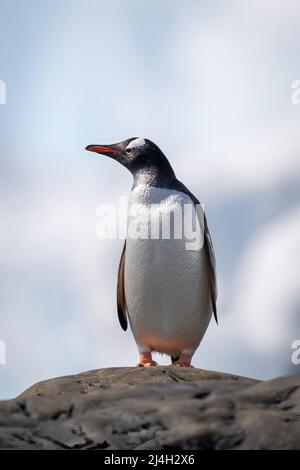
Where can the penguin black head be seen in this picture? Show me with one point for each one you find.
(142, 157)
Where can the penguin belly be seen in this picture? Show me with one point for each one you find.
(166, 285)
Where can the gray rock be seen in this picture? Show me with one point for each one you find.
(156, 408)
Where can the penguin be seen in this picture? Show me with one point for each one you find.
(166, 290)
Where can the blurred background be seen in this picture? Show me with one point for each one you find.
(210, 83)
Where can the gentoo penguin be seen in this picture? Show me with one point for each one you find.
(165, 289)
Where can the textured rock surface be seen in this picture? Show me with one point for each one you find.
(157, 408)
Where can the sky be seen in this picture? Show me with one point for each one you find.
(211, 84)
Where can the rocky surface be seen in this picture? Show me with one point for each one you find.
(156, 408)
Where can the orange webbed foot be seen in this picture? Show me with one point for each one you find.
(146, 360)
(184, 360)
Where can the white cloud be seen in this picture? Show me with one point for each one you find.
(267, 287)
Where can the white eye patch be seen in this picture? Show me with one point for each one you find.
(139, 142)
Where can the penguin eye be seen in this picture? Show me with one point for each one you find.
(137, 143)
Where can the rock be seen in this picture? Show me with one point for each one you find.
(119, 377)
(155, 408)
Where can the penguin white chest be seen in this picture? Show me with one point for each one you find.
(166, 283)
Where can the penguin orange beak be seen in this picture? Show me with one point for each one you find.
(109, 150)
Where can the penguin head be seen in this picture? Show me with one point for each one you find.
(137, 155)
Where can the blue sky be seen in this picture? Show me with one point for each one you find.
(208, 82)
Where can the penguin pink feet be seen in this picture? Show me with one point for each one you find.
(146, 360)
(184, 360)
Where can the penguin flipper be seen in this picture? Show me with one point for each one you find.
(121, 300)
(209, 250)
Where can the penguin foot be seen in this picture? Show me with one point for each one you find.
(147, 364)
(184, 360)
(146, 360)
